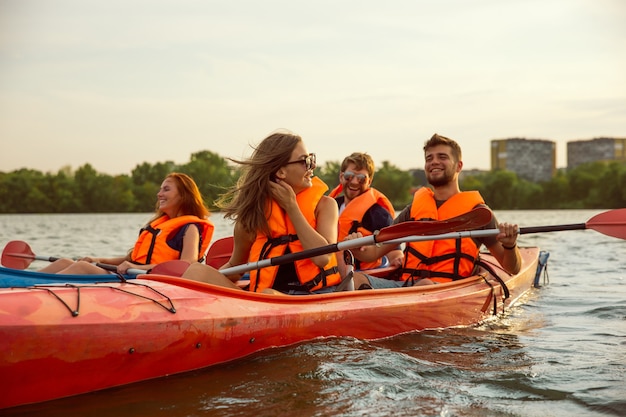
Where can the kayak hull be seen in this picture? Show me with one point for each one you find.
(62, 340)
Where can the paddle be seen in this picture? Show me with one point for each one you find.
(611, 223)
(18, 255)
(397, 233)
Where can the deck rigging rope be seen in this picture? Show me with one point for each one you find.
(168, 305)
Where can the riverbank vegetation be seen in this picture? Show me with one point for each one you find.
(590, 186)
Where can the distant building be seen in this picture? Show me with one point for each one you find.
(599, 149)
(531, 159)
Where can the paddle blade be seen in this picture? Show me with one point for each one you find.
(477, 218)
(220, 251)
(611, 223)
(17, 255)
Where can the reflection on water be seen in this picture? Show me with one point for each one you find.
(559, 353)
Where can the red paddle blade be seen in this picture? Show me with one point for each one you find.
(611, 223)
(220, 251)
(477, 218)
(17, 255)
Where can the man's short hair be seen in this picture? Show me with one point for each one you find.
(361, 161)
(437, 139)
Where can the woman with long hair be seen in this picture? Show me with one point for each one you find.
(278, 207)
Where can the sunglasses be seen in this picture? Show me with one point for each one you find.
(309, 162)
(348, 175)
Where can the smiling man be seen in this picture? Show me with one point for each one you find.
(363, 208)
(429, 262)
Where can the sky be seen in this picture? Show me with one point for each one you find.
(117, 83)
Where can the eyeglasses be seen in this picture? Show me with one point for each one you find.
(348, 175)
(309, 162)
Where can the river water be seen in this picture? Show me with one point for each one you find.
(561, 352)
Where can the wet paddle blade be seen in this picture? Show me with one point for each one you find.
(17, 255)
(611, 223)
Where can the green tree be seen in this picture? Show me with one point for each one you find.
(394, 183)
(593, 185)
(472, 183)
(96, 192)
(329, 173)
(121, 194)
(63, 192)
(554, 193)
(582, 180)
(211, 173)
(145, 196)
(21, 192)
(499, 189)
(610, 188)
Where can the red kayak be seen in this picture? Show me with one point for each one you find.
(60, 340)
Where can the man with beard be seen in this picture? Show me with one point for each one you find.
(363, 208)
(438, 261)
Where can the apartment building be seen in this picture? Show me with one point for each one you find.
(531, 159)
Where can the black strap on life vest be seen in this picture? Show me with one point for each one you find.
(321, 277)
(155, 233)
(355, 226)
(270, 244)
(307, 286)
(202, 257)
(416, 273)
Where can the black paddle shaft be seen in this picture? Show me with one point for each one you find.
(556, 228)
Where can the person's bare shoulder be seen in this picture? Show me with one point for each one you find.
(327, 203)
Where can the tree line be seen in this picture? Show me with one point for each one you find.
(597, 185)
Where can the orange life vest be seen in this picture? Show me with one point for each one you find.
(441, 260)
(152, 247)
(351, 218)
(283, 237)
